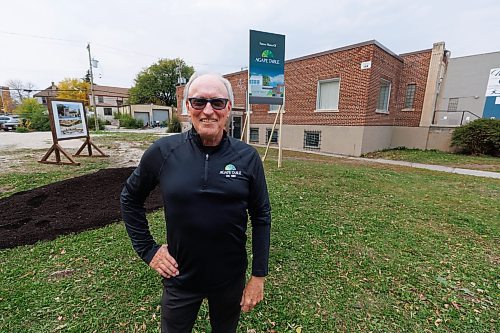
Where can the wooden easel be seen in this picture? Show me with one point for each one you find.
(89, 145)
(58, 150)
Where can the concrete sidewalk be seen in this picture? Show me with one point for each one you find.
(460, 171)
(469, 172)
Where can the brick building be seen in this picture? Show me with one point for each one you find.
(350, 101)
(7, 104)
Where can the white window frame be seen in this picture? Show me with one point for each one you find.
(318, 95)
(276, 107)
(104, 111)
(388, 97)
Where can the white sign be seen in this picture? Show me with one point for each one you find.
(493, 88)
(497, 100)
(366, 64)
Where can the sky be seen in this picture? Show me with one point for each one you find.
(44, 41)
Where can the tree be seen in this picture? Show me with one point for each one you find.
(36, 113)
(74, 89)
(156, 84)
(20, 90)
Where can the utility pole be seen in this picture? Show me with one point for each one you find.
(96, 122)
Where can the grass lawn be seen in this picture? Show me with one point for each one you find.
(486, 163)
(355, 248)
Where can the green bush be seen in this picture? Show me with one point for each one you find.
(36, 117)
(174, 126)
(91, 123)
(39, 121)
(130, 122)
(21, 129)
(480, 137)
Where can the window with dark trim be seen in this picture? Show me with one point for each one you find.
(108, 111)
(453, 104)
(274, 139)
(410, 96)
(100, 99)
(312, 139)
(254, 134)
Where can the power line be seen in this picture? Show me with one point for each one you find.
(110, 47)
(40, 37)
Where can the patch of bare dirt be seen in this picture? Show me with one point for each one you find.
(73, 205)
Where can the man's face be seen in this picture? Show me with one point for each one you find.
(208, 122)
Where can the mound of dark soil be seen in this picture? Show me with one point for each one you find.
(73, 205)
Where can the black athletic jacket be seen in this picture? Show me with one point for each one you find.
(206, 195)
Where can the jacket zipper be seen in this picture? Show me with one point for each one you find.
(206, 171)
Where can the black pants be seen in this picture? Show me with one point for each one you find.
(180, 308)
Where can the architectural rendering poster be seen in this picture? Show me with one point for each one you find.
(69, 119)
(266, 73)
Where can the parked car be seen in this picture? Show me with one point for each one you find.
(8, 123)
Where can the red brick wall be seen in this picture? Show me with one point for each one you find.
(415, 71)
(384, 66)
(359, 88)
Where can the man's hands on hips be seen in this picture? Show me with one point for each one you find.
(253, 293)
(164, 263)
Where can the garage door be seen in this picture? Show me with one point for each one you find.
(160, 115)
(144, 116)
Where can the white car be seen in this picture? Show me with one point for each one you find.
(8, 123)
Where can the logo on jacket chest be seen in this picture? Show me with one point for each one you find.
(230, 171)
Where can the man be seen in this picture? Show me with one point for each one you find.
(209, 182)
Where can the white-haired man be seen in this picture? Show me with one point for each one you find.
(210, 183)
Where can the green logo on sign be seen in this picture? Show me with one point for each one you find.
(267, 54)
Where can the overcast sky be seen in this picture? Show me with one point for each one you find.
(45, 40)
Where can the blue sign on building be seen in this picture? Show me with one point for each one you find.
(492, 103)
(266, 73)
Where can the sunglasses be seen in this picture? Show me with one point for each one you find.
(200, 103)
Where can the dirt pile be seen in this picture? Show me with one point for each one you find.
(73, 205)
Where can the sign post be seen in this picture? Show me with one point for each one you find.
(266, 76)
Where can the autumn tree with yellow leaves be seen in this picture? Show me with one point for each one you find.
(74, 89)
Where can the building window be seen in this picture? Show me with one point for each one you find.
(410, 96)
(108, 111)
(328, 95)
(100, 99)
(453, 104)
(383, 96)
(254, 134)
(273, 108)
(119, 102)
(312, 139)
(274, 139)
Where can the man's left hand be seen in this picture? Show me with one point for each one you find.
(253, 293)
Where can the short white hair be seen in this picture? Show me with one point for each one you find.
(224, 81)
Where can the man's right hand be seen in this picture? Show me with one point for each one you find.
(164, 263)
